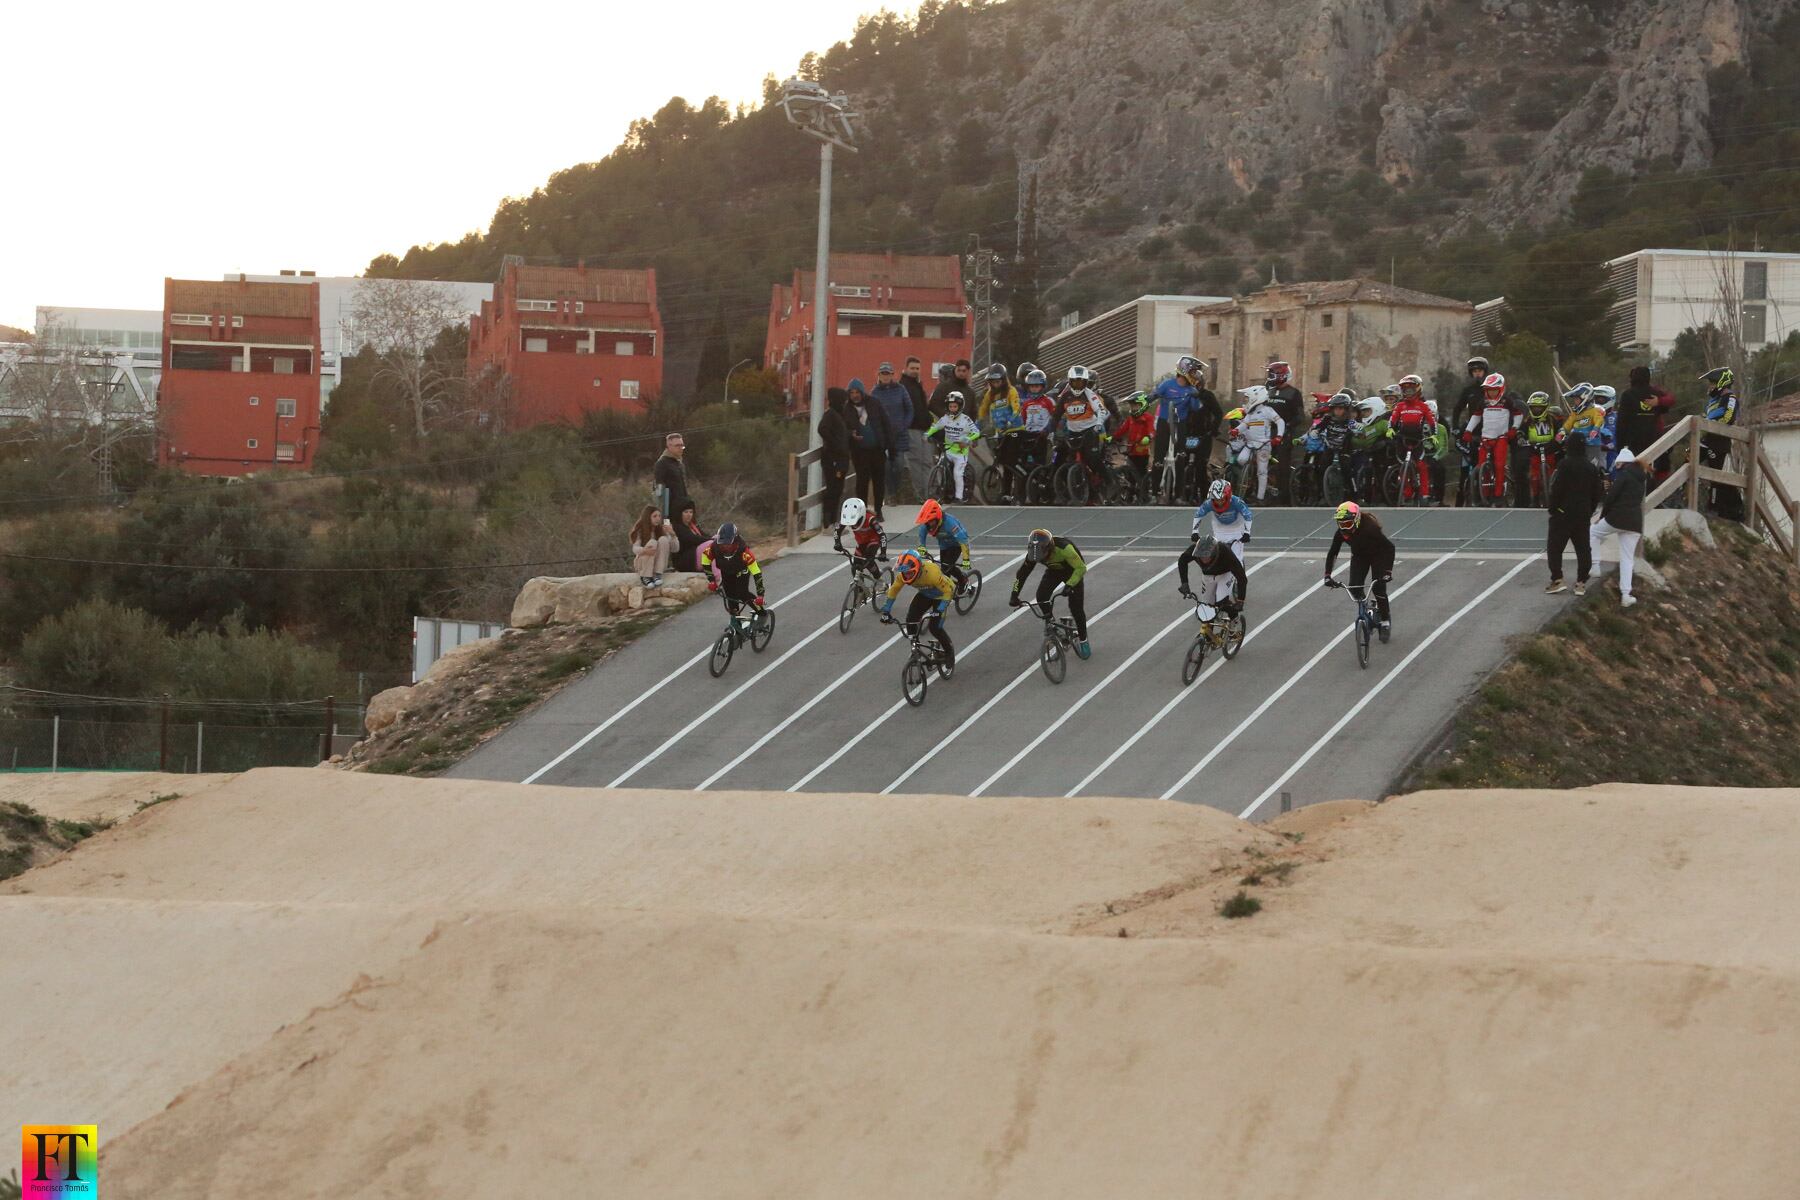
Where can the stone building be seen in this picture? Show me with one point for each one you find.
(1354, 333)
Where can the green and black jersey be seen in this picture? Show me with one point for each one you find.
(1065, 564)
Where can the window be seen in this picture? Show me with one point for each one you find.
(537, 345)
(250, 443)
(1281, 324)
(1325, 321)
(285, 408)
(237, 322)
(580, 306)
(1755, 325)
(284, 452)
(932, 331)
(537, 306)
(254, 401)
(1212, 328)
(1756, 281)
(624, 349)
(1268, 325)
(284, 366)
(844, 289)
(189, 319)
(628, 389)
(1324, 366)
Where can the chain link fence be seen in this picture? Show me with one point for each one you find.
(73, 744)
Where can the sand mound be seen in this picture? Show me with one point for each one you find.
(101, 795)
(465, 988)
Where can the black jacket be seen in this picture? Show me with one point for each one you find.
(869, 428)
(688, 541)
(834, 435)
(1368, 543)
(921, 416)
(1290, 404)
(1623, 507)
(1576, 488)
(671, 473)
(935, 406)
(1467, 405)
(1208, 416)
(1640, 416)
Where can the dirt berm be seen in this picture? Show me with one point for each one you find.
(311, 983)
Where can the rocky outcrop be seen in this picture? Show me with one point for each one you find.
(563, 600)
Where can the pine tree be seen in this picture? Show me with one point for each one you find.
(1018, 339)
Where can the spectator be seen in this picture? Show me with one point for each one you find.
(834, 441)
(870, 440)
(1643, 415)
(689, 537)
(1575, 491)
(670, 474)
(918, 453)
(652, 542)
(946, 383)
(1622, 512)
(896, 405)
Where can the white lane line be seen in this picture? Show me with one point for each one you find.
(1125, 746)
(1006, 691)
(658, 686)
(1081, 702)
(872, 726)
(1386, 679)
(1278, 693)
(818, 697)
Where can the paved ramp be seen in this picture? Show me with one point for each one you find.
(1294, 713)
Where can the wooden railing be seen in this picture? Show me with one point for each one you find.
(798, 505)
(1768, 509)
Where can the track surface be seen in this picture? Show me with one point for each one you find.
(822, 711)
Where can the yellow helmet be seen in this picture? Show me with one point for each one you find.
(1236, 414)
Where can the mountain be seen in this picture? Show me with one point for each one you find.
(1461, 145)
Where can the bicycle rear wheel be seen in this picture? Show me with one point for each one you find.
(1054, 659)
(938, 483)
(915, 678)
(1490, 495)
(969, 593)
(762, 628)
(853, 599)
(1196, 658)
(1235, 632)
(1040, 485)
(994, 485)
(1076, 485)
(721, 654)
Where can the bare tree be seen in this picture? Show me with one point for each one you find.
(60, 396)
(401, 319)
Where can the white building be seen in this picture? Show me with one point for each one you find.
(1780, 422)
(129, 340)
(1660, 293)
(1132, 346)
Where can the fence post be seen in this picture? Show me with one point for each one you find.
(162, 761)
(793, 506)
(199, 747)
(330, 726)
(55, 740)
(1751, 483)
(1693, 479)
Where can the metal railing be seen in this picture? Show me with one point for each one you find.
(798, 506)
(1768, 509)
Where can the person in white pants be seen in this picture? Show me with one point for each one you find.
(1622, 512)
(1262, 429)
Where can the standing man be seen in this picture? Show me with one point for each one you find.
(1622, 512)
(1575, 491)
(1287, 401)
(946, 383)
(834, 443)
(670, 476)
(1470, 401)
(918, 454)
(896, 404)
(870, 441)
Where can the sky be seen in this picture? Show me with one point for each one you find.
(147, 141)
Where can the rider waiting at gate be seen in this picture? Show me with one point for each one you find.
(934, 594)
(1062, 565)
(960, 434)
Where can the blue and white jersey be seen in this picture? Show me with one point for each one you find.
(1227, 526)
(952, 536)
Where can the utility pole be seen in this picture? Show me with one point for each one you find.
(980, 283)
(817, 113)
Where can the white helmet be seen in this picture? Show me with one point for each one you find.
(1431, 407)
(853, 512)
(1254, 395)
(1372, 407)
(1603, 395)
(1080, 374)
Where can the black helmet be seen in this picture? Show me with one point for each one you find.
(1038, 551)
(1476, 364)
(727, 537)
(996, 373)
(1206, 550)
(1718, 379)
(946, 371)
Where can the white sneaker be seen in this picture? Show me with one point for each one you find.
(1627, 601)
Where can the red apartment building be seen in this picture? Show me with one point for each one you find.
(882, 309)
(240, 376)
(566, 341)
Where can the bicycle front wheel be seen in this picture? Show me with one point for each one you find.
(994, 485)
(762, 629)
(1196, 658)
(1054, 659)
(1362, 641)
(1040, 485)
(722, 651)
(969, 593)
(915, 678)
(1076, 485)
(1235, 632)
(853, 600)
(937, 484)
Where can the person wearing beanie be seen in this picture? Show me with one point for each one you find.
(1622, 513)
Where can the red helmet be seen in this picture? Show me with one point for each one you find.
(1278, 374)
(1411, 387)
(1494, 386)
(930, 513)
(1220, 494)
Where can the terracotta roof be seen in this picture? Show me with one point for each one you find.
(247, 299)
(902, 271)
(576, 283)
(1338, 291)
(1783, 410)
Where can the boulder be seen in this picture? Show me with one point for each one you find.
(567, 600)
(384, 708)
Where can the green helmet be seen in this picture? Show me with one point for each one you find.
(1538, 403)
(1137, 402)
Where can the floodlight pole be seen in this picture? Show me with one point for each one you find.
(815, 476)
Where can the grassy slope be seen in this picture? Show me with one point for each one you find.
(1699, 684)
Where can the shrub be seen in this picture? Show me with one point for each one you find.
(1241, 905)
(97, 648)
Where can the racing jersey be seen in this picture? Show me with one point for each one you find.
(1587, 423)
(1065, 559)
(1175, 401)
(1083, 412)
(1494, 420)
(1226, 563)
(1000, 408)
(1366, 435)
(1335, 434)
(1411, 420)
(1368, 542)
(733, 565)
(952, 536)
(930, 582)
(1227, 526)
(1540, 431)
(1722, 408)
(959, 432)
(1038, 412)
(1137, 432)
(867, 533)
(1261, 425)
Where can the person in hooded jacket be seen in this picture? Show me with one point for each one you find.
(920, 446)
(834, 445)
(1575, 491)
(1641, 409)
(1622, 513)
(894, 401)
(871, 438)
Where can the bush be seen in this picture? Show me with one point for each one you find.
(1153, 247)
(97, 648)
(1198, 238)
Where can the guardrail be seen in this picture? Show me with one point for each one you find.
(798, 506)
(1768, 509)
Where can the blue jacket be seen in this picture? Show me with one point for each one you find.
(1722, 408)
(872, 434)
(898, 406)
(951, 535)
(1229, 525)
(1175, 401)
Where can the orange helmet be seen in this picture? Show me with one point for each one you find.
(930, 513)
(908, 566)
